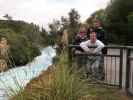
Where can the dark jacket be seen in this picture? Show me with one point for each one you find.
(78, 40)
(102, 37)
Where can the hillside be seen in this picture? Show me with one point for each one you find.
(24, 40)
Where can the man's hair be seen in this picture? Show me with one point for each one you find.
(91, 30)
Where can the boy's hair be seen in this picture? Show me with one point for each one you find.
(84, 25)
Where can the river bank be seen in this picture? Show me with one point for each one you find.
(57, 82)
(14, 80)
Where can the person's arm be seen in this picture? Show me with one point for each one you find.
(84, 46)
(100, 46)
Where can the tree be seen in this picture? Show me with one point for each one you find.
(117, 12)
(55, 32)
(64, 22)
(7, 17)
(55, 26)
(100, 15)
(74, 22)
(130, 28)
(73, 18)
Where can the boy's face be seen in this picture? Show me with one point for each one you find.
(93, 37)
(82, 29)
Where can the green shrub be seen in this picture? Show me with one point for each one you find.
(21, 49)
(64, 84)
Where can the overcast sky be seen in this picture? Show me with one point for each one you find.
(43, 12)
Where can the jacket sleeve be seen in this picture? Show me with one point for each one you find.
(100, 46)
(84, 46)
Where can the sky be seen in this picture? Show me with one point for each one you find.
(42, 12)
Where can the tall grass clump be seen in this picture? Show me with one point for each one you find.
(59, 82)
(67, 85)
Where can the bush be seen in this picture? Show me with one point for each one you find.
(59, 83)
(21, 49)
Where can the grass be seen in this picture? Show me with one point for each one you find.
(57, 83)
(63, 82)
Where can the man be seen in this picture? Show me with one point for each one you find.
(100, 34)
(94, 60)
(102, 37)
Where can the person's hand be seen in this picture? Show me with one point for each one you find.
(78, 52)
(89, 52)
(92, 52)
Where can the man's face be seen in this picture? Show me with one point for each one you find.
(93, 37)
(97, 24)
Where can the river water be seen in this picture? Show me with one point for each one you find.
(17, 78)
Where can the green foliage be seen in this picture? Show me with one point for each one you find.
(31, 31)
(118, 10)
(21, 50)
(64, 85)
(67, 86)
(64, 22)
(22, 39)
(130, 27)
(99, 14)
(73, 24)
(117, 21)
(54, 36)
(118, 15)
(73, 18)
(57, 26)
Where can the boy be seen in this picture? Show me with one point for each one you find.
(94, 61)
